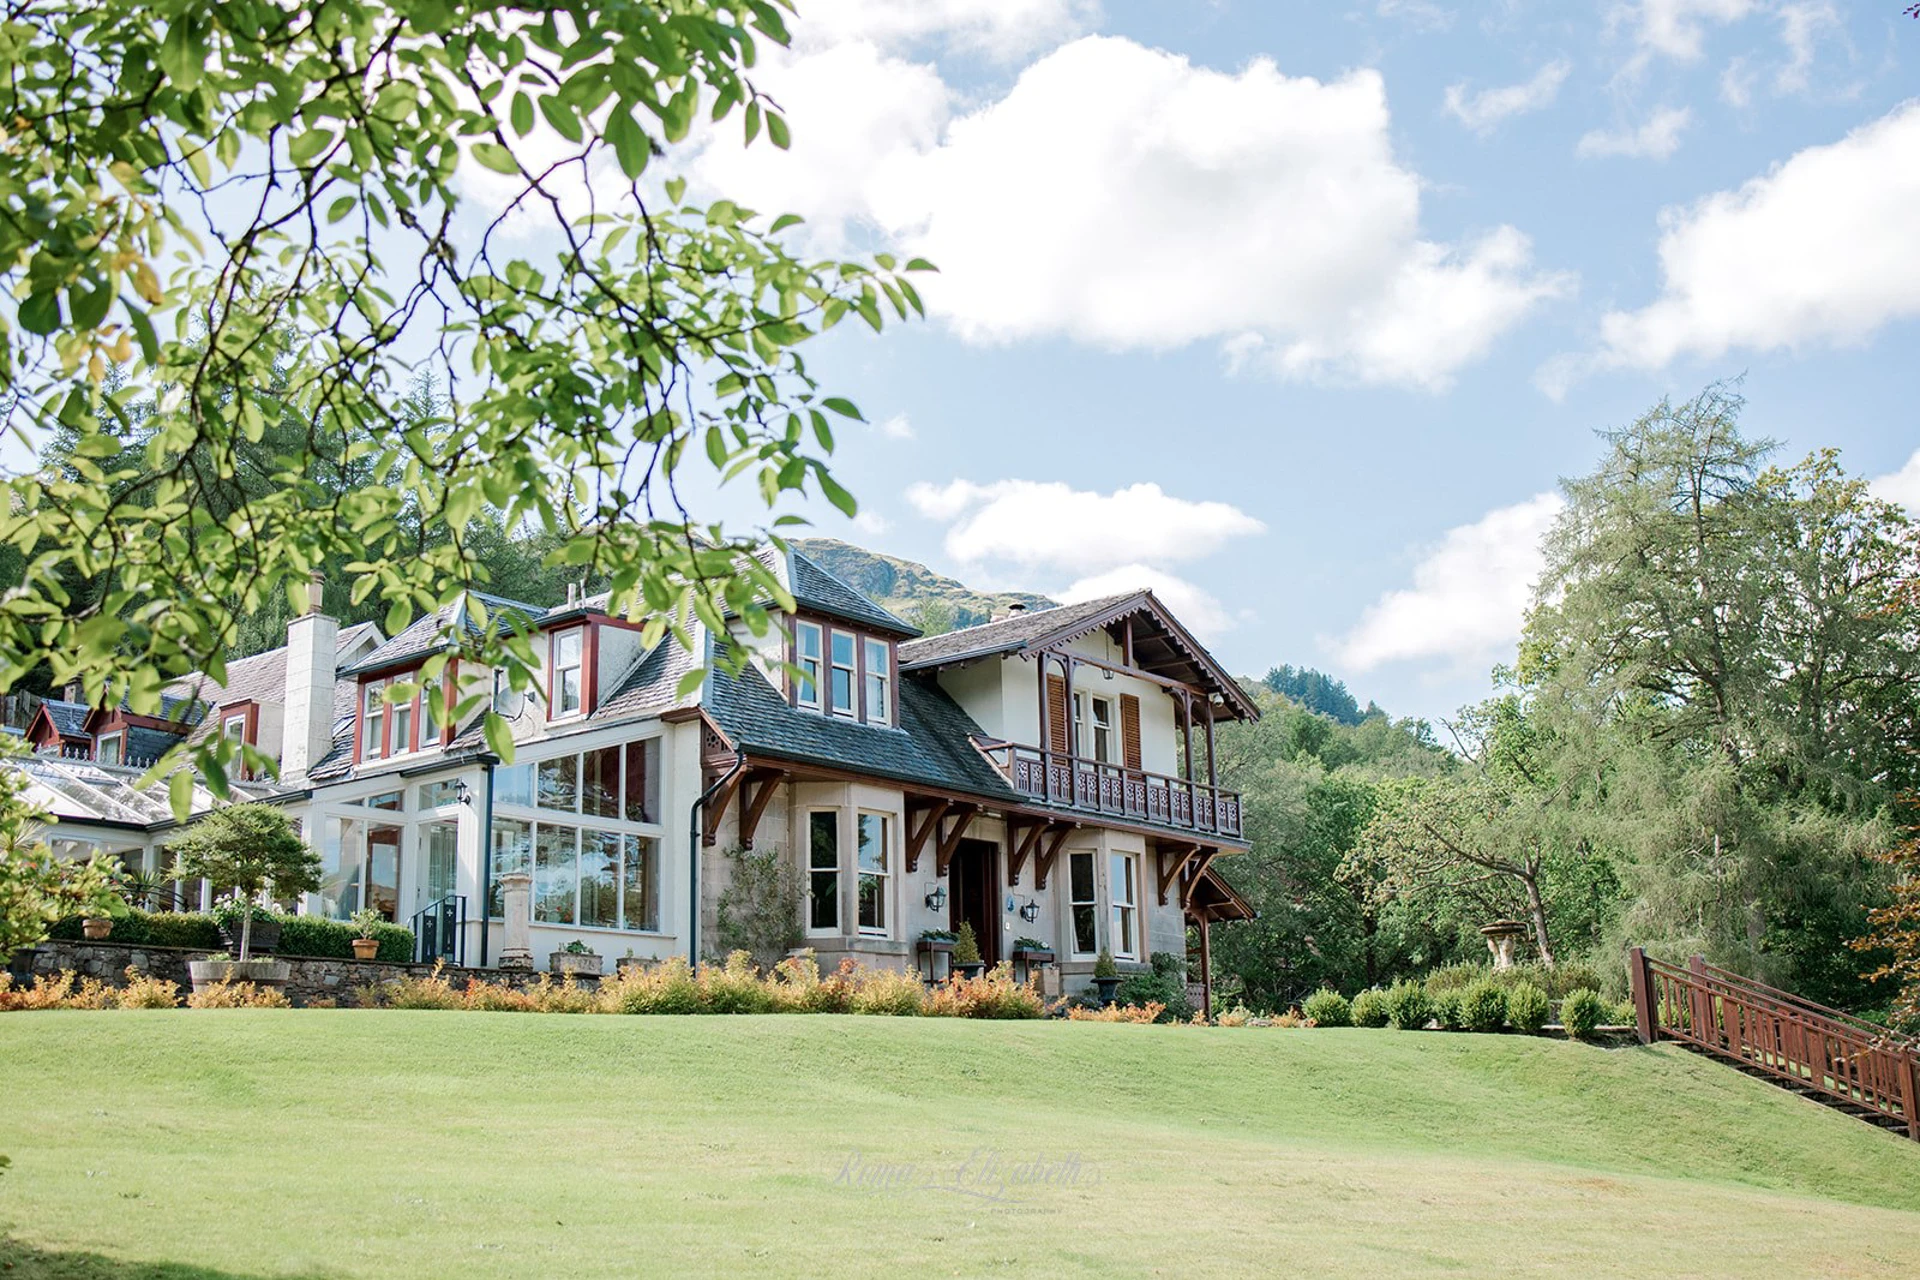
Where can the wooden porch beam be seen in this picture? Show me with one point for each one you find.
(754, 801)
(1043, 864)
(1020, 846)
(917, 838)
(944, 853)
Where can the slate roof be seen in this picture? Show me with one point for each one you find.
(1016, 632)
(262, 677)
(69, 718)
(425, 636)
(812, 587)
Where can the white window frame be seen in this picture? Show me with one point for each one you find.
(851, 710)
(373, 720)
(1091, 903)
(557, 708)
(234, 726)
(876, 681)
(1126, 909)
(806, 690)
(1099, 729)
(884, 876)
(814, 869)
(402, 716)
(118, 740)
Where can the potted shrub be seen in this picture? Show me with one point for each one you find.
(366, 927)
(1106, 975)
(245, 848)
(577, 959)
(966, 952)
(265, 924)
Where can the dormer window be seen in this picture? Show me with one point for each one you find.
(564, 691)
(235, 726)
(112, 748)
(841, 685)
(879, 668)
(373, 720)
(806, 656)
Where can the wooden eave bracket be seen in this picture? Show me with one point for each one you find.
(1043, 864)
(1022, 839)
(1198, 864)
(760, 786)
(943, 854)
(1173, 860)
(710, 821)
(934, 810)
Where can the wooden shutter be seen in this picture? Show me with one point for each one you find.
(1057, 714)
(1130, 730)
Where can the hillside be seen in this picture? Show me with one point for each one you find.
(199, 1145)
(931, 601)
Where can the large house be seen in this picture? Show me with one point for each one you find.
(1048, 775)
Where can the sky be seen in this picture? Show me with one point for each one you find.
(1298, 312)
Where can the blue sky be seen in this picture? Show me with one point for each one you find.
(1351, 286)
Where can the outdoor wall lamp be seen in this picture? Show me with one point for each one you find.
(463, 792)
(937, 898)
(1031, 911)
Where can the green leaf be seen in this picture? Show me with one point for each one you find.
(499, 736)
(143, 333)
(838, 496)
(399, 613)
(564, 119)
(496, 157)
(306, 146)
(183, 54)
(843, 407)
(690, 683)
(784, 221)
(90, 308)
(522, 114)
(676, 189)
(629, 141)
(340, 208)
(40, 313)
(777, 130)
(180, 793)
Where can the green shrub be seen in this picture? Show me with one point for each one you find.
(1408, 1006)
(188, 929)
(1165, 985)
(1450, 1011)
(1483, 1007)
(1625, 1015)
(1369, 1008)
(1328, 1008)
(1582, 1012)
(1556, 982)
(324, 939)
(1527, 1007)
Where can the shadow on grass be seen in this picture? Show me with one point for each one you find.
(20, 1261)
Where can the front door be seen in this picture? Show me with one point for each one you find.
(975, 897)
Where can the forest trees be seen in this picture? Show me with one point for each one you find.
(246, 215)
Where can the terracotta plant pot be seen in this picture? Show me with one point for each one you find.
(264, 973)
(96, 928)
(366, 948)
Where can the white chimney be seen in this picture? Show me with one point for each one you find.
(312, 643)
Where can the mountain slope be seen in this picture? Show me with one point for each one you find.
(931, 601)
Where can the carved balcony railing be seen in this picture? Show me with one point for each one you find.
(1111, 790)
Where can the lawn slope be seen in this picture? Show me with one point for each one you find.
(265, 1143)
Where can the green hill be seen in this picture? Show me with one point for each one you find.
(931, 601)
(209, 1145)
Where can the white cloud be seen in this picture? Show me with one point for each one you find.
(1658, 138)
(1469, 594)
(1482, 111)
(1126, 198)
(1818, 250)
(1201, 611)
(1677, 28)
(1003, 29)
(1902, 486)
(1421, 15)
(1050, 524)
(871, 523)
(1801, 26)
(896, 428)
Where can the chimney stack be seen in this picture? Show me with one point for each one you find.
(313, 641)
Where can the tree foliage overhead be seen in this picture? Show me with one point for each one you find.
(235, 234)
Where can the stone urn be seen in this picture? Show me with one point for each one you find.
(366, 948)
(262, 973)
(1503, 936)
(575, 964)
(96, 928)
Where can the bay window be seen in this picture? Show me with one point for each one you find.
(875, 872)
(512, 855)
(556, 859)
(1126, 913)
(823, 871)
(1083, 903)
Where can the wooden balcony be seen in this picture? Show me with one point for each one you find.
(1112, 791)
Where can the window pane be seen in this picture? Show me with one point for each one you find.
(643, 781)
(1082, 873)
(873, 843)
(1084, 942)
(392, 800)
(599, 879)
(842, 686)
(570, 689)
(600, 789)
(402, 727)
(442, 840)
(340, 886)
(873, 871)
(823, 880)
(641, 908)
(432, 795)
(512, 852)
(566, 649)
(553, 875)
(560, 783)
(806, 640)
(513, 784)
(383, 871)
(806, 656)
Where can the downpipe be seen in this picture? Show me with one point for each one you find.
(693, 853)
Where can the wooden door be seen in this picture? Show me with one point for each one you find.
(975, 895)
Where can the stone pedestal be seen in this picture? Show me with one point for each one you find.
(516, 904)
(1503, 936)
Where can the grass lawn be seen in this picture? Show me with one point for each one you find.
(342, 1143)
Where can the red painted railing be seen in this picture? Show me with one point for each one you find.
(1112, 790)
(1823, 1050)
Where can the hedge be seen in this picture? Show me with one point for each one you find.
(310, 936)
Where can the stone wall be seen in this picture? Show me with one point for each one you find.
(313, 981)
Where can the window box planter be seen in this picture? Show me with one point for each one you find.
(263, 973)
(96, 928)
(1028, 959)
(576, 964)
